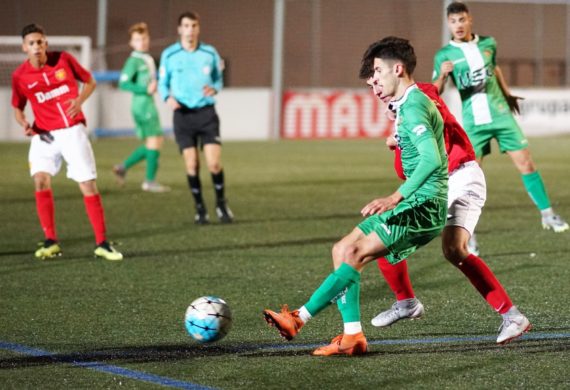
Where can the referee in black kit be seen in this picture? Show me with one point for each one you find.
(190, 75)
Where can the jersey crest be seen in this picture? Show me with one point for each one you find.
(60, 75)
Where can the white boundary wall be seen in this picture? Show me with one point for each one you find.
(245, 114)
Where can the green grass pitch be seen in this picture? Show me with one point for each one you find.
(292, 200)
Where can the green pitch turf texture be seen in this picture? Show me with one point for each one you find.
(292, 201)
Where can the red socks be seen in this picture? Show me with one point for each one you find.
(397, 277)
(478, 273)
(485, 281)
(96, 216)
(46, 213)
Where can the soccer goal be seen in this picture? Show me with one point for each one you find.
(11, 56)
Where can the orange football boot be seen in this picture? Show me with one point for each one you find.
(287, 322)
(344, 344)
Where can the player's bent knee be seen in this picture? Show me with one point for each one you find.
(337, 251)
(455, 252)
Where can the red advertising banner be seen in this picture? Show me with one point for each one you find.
(333, 114)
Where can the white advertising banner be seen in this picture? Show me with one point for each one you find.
(544, 112)
(319, 113)
(324, 113)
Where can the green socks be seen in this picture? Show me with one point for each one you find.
(349, 304)
(152, 156)
(137, 156)
(338, 284)
(142, 153)
(536, 190)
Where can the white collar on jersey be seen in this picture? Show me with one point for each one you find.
(394, 104)
(459, 44)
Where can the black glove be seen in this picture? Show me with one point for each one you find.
(513, 103)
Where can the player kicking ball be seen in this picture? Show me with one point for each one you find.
(466, 198)
(49, 81)
(395, 226)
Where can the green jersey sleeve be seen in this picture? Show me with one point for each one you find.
(128, 80)
(419, 118)
(430, 160)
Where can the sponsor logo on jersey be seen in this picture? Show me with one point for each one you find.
(32, 85)
(476, 77)
(60, 75)
(487, 53)
(206, 69)
(419, 130)
(56, 92)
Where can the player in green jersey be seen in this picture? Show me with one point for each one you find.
(395, 226)
(487, 103)
(139, 77)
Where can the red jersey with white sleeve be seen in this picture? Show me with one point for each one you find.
(457, 145)
(48, 89)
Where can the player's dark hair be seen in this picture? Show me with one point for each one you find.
(457, 8)
(139, 28)
(32, 28)
(389, 48)
(190, 15)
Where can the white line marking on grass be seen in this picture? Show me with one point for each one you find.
(107, 368)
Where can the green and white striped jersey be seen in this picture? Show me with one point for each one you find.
(473, 73)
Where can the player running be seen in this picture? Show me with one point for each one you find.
(487, 103)
(49, 81)
(466, 197)
(190, 75)
(395, 226)
(139, 77)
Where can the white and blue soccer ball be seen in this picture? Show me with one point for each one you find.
(208, 319)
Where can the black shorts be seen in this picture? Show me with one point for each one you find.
(196, 127)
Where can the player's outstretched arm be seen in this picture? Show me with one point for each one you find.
(512, 101)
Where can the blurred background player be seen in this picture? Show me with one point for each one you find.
(49, 81)
(487, 103)
(397, 225)
(139, 77)
(190, 75)
(466, 197)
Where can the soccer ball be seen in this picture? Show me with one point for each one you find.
(208, 319)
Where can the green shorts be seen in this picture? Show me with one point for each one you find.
(412, 224)
(505, 130)
(145, 114)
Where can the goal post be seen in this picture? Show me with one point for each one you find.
(11, 56)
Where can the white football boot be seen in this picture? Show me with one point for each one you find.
(513, 326)
(413, 310)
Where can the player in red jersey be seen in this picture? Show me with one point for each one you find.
(48, 80)
(466, 197)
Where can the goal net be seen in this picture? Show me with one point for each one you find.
(11, 56)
